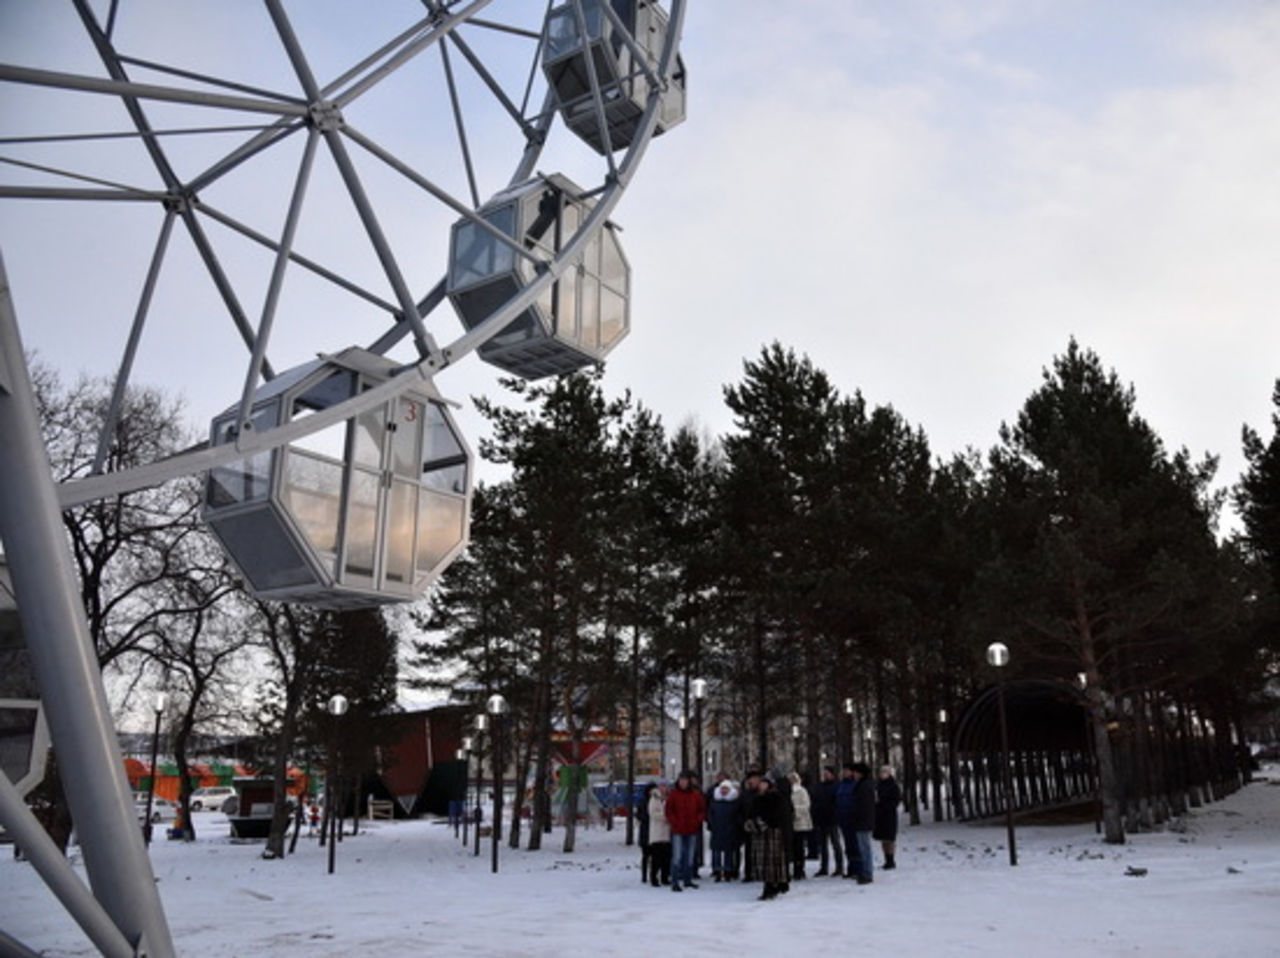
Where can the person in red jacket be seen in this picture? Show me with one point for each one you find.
(686, 809)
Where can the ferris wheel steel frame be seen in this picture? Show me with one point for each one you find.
(122, 914)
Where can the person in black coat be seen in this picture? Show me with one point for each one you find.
(641, 813)
(863, 819)
(888, 797)
(824, 821)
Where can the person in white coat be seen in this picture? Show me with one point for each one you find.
(802, 824)
(659, 838)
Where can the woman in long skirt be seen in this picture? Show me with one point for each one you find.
(770, 859)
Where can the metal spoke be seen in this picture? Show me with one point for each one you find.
(131, 345)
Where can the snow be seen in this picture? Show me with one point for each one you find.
(409, 888)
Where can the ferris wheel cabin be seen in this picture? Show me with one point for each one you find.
(578, 318)
(623, 41)
(362, 512)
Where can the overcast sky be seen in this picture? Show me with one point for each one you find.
(928, 199)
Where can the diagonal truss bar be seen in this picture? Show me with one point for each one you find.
(272, 135)
(303, 261)
(53, 193)
(463, 144)
(494, 87)
(145, 91)
(41, 168)
(405, 36)
(409, 51)
(126, 134)
(131, 345)
(504, 28)
(277, 280)
(212, 81)
(533, 66)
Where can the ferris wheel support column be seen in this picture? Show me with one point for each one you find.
(64, 663)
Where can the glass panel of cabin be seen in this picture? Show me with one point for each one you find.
(311, 489)
(362, 525)
(440, 519)
(402, 507)
(477, 253)
(248, 480)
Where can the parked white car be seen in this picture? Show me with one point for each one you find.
(212, 798)
(162, 810)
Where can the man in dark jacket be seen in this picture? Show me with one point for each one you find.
(686, 810)
(844, 819)
(824, 820)
(863, 818)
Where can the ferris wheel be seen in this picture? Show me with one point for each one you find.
(392, 187)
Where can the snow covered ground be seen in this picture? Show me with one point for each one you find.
(1212, 888)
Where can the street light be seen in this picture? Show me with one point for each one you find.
(848, 710)
(468, 743)
(161, 698)
(867, 736)
(482, 725)
(795, 745)
(699, 693)
(684, 741)
(998, 658)
(337, 707)
(497, 707)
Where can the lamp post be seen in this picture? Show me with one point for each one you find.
(497, 707)
(944, 759)
(848, 710)
(998, 658)
(161, 698)
(482, 725)
(337, 707)
(684, 741)
(868, 744)
(467, 743)
(699, 693)
(795, 747)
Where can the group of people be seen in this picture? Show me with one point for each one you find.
(766, 828)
